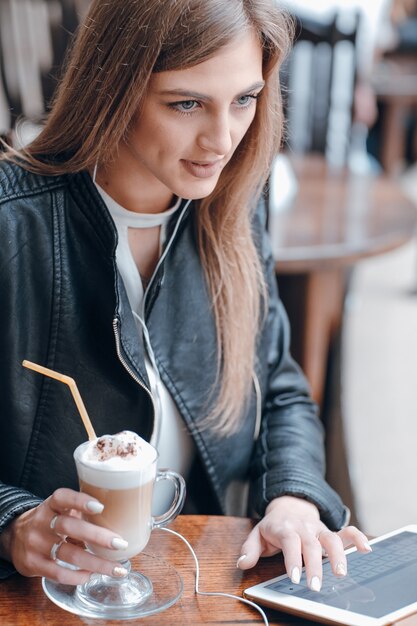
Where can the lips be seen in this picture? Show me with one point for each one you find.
(202, 169)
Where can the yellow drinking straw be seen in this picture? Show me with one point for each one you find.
(74, 390)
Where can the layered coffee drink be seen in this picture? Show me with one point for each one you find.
(119, 471)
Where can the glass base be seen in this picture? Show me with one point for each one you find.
(157, 587)
(107, 595)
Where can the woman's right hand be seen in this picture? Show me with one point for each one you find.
(54, 530)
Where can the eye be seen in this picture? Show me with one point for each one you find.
(247, 100)
(243, 100)
(187, 105)
(184, 106)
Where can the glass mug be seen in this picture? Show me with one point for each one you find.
(127, 498)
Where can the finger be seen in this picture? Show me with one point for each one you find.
(63, 575)
(251, 549)
(291, 548)
(40, 563)
(76, 542)
(333, 545)
(81, 530)
(65, 499)
(70, 553)
(353, 536)
(312, 554)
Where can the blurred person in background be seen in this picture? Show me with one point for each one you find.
(396, 34)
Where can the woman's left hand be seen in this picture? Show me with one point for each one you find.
(292, 525)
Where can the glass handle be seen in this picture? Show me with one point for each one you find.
(178, 501)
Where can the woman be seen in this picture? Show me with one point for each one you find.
(136, 262)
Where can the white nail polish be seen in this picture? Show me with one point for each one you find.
(240, 559)
(295, 575)
(120, 572)
(315, 584)
(95, 507)
(118, 543)
(340, 569)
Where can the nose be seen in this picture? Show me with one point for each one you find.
(216, 136)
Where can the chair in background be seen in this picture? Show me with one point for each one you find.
(34, 37)
(319, 82)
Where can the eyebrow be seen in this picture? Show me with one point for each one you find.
(186, 93)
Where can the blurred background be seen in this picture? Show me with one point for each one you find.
(343, 211)
(379, 334)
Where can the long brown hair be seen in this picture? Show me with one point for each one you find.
(402, 9)
(116, 50)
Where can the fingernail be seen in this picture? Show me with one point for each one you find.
(295, 575)
(94, 506)
(240, 559)
(367, 545)
(340, 569)
(119, 571)
(315, 584)
(118, 543)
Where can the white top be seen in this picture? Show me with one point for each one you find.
(173, 441)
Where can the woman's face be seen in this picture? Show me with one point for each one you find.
(193, 120)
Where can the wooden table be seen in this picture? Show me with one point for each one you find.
(217, 542)
(336, 220)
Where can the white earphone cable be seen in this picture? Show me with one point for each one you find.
(213, 593)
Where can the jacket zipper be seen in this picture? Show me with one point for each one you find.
(258, 418)
(123, 360)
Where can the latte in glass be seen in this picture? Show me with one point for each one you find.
(119, 471)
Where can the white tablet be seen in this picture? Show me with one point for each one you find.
(380, 586)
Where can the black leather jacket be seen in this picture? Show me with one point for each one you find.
(63, 304)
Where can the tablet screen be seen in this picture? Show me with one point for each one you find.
(377, 583)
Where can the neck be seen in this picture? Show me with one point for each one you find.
(133, 189)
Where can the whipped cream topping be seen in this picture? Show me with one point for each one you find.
(122, 451)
